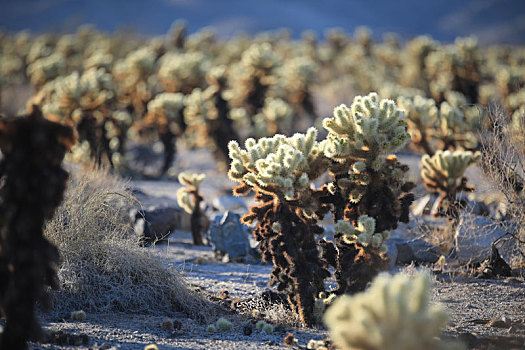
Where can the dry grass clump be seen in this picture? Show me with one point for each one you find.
(102, 267)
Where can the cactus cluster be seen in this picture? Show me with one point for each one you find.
(443, 173)
(395, 313)
(367, 196)
(190, 199)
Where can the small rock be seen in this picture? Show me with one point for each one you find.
(227, 235)
(415, 250)
(155, 223)
(270, 343)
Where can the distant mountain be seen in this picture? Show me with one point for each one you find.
(492, 21)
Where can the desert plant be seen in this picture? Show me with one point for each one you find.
(165, 117)
(85, 101)
(503, 163)
(133, 76)
(368, 182)
(190, 199)
(33, 150)
(395, 313)
(279, 170)
(182, 72)
(219, 129)
(422, 115)
(103, 268)
(443, 174)
(46, 69)
(252, 77)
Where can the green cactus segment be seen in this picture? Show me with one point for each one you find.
(184, 195)
(363, 234)
(278, 165)
(443, 173)
(368, 129)
(395, 313)
(190, 199)
(445, 168)
(167, 104)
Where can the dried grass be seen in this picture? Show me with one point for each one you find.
(102, 267)
(503, 162)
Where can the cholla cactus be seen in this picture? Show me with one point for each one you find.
(443, 173)
(279, 166)
(182, 72)
(34, 182)
(368, 186)
(207, 117)
(219, 129)
(415, 53)
(165, 116)
(297, 75)
(252, 77)
(455, 130)
(370, 129)
(363, 234)
(133, 75)
(422, 115)
(189, 199)
(280, 170)
(394, 314)
(46, 69)
(276, 117)
(84, 101)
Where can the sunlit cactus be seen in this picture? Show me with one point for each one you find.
(455, 131)
(165, 117)
(85, 101)
(394, 314)
(364, 233)
(415, 53)
(368, 182)
(133, 74)
(297, 75)
(189, 199)
(46, 69)
(280, 170)
(277, 166)
(443, 174)
(182, 72)
(275, 117)
(369, 129)
(422, 117)
(251, 78)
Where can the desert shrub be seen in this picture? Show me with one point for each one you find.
(102, 267)
(503, 163)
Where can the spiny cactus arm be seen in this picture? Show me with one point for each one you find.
(191, 179)
(445, 168)
(368, 129)
(363, 234)
(393, 314)
(277, 165)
